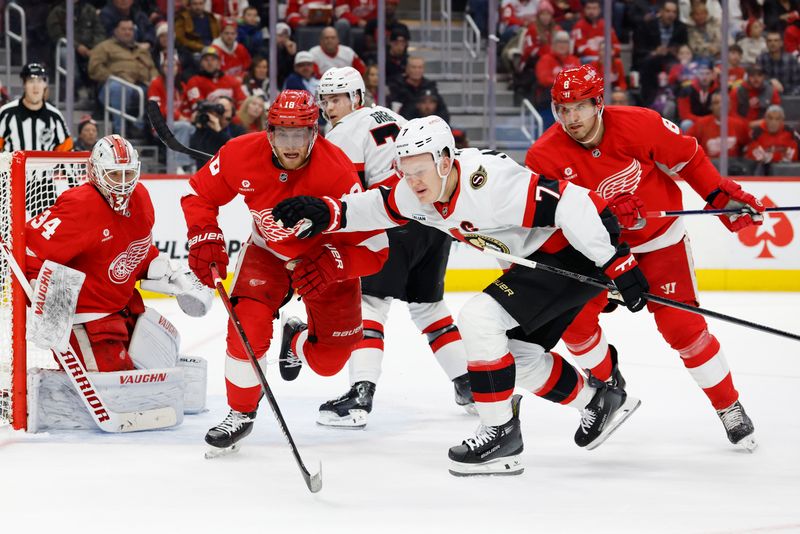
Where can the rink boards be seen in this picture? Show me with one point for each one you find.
(765, 258)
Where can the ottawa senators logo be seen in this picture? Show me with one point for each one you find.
(478, 178)
(484, 241)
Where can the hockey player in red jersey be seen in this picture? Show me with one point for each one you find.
(103, 229)
(486, 199)
(631, 157)
(417, 260)
(289, 159)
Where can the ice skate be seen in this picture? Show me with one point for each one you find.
(289, 363)
(224, 437)
(738, 426)
(350, 410)
(608, 409)
(494, 450)
(464, 394)
(616, 376)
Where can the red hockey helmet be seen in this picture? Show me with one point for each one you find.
(577, 83)
(294, 108)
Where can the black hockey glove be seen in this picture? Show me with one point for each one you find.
(626, 275)
(314, 215)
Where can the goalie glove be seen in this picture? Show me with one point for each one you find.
(169, 277)
(313, 215)
(729, 195)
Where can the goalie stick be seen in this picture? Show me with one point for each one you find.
(106, 419)
(649, 296)
(314, 482)
(166, 136)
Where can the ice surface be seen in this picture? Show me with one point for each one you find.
(670, 468)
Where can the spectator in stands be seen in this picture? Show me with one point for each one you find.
(589, 31)
(780, 67)
(301, 13)
(707, 131)
(211, 83)
(753, 42)
(620, 97)
(329, 53)
(655, 44)
(286, 52)
(515, 15)
(371, 85)
(89, 32)
(397, 53)
(305, 75)
(229, 8)
(250, 33)
(121, 56)
(251, 115)
(428, 102)
(736, 72)
(682, 72)
(234, 57)
(618, 79)
(392, 24)
(159, 52)
(549, 65)
(214, 127)
(256, 80)
(567, 12)
(195, 28)
(751, 99)
(460, 137)
(87, 134)
(535, 43)
(791, 37)
(117, 10)
(773, 141)
(704, 34)
(405, 90)
(694, 100)
(182, 126)
(779, 13)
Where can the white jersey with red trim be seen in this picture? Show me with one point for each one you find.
(497, 203)
(367, 137)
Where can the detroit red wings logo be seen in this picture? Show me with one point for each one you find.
(625, 181)
(126, 263)
(268, 228)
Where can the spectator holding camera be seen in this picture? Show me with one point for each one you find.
(211, 82)
(213, 120)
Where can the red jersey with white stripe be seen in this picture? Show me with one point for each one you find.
(344, 57)
(587, 37)
(367, 137)
(113, 250)
(204, 87)
(497, 203)
(640, 153)
(246, 166)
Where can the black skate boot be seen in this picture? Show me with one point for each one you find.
(464, 394)
(224, 437)
(351, 409)
(288, 362)
(494, 450)
(616, 376)
(608, 409)
(738, 426)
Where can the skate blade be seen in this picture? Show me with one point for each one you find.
(506, 466)
(748, 443)
(356, 420)
(216, 452)
(626, 410)
(470, 408)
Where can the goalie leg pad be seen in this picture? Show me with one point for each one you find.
(195, 374)
(54, 404)
(155, 341)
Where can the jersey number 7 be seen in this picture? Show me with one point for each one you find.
(383, 133)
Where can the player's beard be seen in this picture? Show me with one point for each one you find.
(293, 163)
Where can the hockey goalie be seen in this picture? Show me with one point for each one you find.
(86, 254)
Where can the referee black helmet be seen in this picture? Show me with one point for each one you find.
(33, 70)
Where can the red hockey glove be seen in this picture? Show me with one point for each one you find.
(629, 210)
(728, 195)
(631, 283)
(311, 275)
(207, 246)
(324, 214)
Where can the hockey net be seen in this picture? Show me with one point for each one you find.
(30, 183)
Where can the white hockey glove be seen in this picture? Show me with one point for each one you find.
(170, 277)
(52, 311)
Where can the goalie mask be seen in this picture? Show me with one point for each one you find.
(114, 170)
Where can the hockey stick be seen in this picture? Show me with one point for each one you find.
(106, 419)
(649, 296)
(165, 134)
(681, 213)
(314, 482)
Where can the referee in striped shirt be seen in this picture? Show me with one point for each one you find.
(31, 123)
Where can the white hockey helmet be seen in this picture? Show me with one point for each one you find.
(427, 135)
(337, 81)
(114, 170)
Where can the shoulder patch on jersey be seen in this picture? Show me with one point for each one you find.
(478, 178)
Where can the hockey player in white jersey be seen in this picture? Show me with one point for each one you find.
(417, 260)
(509, 329)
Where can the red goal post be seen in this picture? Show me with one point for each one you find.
(30, 182)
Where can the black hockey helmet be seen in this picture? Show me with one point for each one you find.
(33, 70)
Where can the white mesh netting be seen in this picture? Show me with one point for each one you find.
(46, 175)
